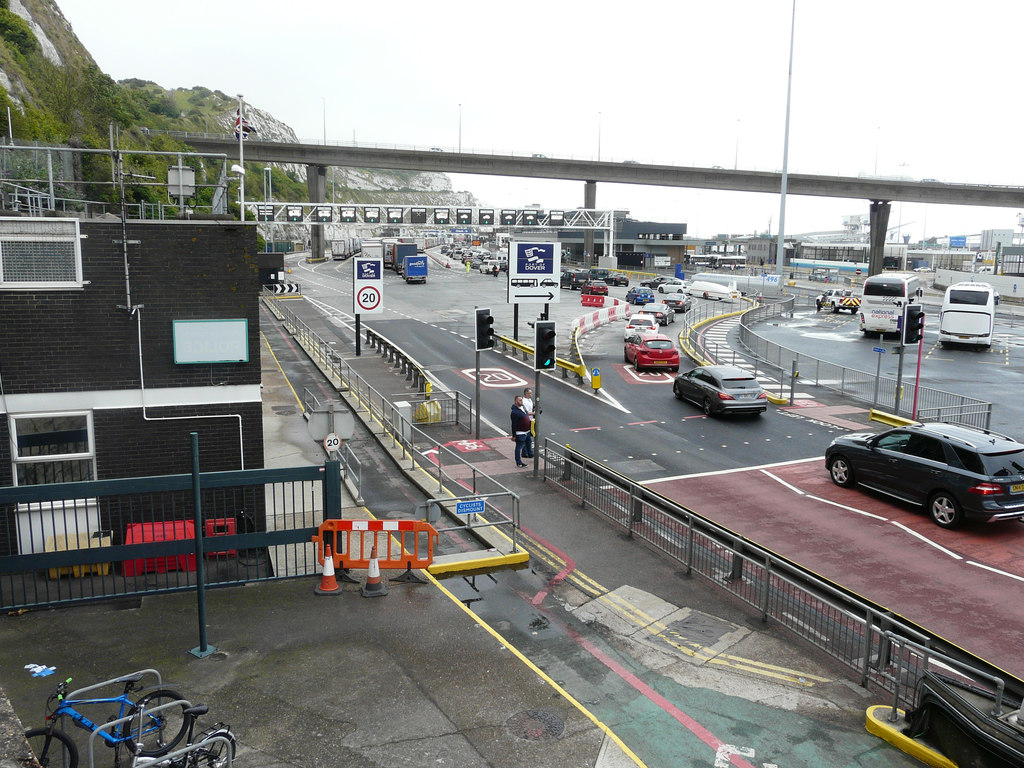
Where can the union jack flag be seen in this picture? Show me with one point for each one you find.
(242, 126)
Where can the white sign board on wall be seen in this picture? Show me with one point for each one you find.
(211, 341)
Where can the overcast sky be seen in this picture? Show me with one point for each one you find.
(917, 88)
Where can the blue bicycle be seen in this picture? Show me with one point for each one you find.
(149, 733)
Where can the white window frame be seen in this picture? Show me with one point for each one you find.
(17, 460)
(41, 230)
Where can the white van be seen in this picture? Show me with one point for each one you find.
(968, 314)
(885, 295)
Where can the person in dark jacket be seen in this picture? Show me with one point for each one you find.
(520, 428)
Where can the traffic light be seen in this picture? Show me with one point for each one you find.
(913, 324)
(544, 345)
(484, 331)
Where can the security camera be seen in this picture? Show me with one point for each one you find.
(238, 169)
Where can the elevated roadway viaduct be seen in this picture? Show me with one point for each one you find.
(880, 192)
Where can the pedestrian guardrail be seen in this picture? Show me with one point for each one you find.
(858, 633)
(875, 390)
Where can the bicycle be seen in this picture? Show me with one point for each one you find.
(148, 734)
(214, 748)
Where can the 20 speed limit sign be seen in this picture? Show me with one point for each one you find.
(368, 298)
(332, 442)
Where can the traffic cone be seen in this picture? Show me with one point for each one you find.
(373, 587)
(328, 584)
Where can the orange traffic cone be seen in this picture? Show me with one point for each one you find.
(373, 587)
(328, 584)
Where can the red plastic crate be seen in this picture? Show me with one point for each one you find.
(139, 533)
(218, 526)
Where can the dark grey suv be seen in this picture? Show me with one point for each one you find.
(954, 472)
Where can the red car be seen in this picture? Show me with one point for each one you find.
(595, 287)
(654, 351)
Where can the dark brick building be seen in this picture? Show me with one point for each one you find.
(111, 355)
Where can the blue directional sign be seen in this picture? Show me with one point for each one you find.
(879, 350)
(471, 507)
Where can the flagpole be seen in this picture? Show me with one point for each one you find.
(240, 127)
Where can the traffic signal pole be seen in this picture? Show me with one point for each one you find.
(536, 422)
(476, 395)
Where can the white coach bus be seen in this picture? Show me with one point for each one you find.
(968, 314)
(885, 295)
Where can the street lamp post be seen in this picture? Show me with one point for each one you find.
(460, 127)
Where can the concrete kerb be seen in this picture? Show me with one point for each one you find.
(498, 553)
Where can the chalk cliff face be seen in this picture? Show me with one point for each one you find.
(44, 32)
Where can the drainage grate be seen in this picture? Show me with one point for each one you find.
(536, 725)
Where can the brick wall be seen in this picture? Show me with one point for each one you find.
(82, 341)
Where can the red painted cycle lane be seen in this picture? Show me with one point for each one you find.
(936, 581)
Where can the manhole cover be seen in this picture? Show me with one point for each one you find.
(282, 410)
(536, 725)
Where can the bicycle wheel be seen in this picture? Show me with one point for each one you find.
(53, 749)
(215, 753)
(159, 731)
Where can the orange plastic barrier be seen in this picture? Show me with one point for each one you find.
(407, 544)
(590, 300)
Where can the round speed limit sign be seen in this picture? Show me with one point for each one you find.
(332, 442)
(368, 298)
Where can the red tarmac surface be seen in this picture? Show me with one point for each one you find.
(933, 579)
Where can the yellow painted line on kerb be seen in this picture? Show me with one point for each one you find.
(542, 675)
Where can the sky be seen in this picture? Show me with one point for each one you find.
(913, 88)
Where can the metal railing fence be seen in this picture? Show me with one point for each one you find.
(865, 387)
(394, 420)
(136, 536)
(858, 634)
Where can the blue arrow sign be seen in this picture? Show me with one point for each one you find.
(879, 350)
(472, 507)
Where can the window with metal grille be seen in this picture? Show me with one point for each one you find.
(53, 448)
(40, 254)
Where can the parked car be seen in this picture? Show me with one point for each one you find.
(679, 302)
(642, 324)
(655, 351)
(638, 295)
(721, 389)
(953, 471)
(595, 287)
(617, 278)
(663, 313)
(654, 282)
(672, 286)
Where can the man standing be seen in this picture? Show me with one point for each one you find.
(520, 428)
(528, 407)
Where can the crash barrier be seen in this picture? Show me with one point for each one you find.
(401, 544)
(932, 404)
(591, 300)
(400, 358)
(565, 366)
(857, 633)
(618, 310)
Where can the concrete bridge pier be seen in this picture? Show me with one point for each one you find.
(590, 203)
(316, 183)
(879, 227)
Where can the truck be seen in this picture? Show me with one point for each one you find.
(837, 299)
(373, 248)
(400, 253)
(414, 268)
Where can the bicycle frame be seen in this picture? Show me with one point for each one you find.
(67, 709)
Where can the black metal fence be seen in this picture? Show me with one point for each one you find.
(68, 542)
